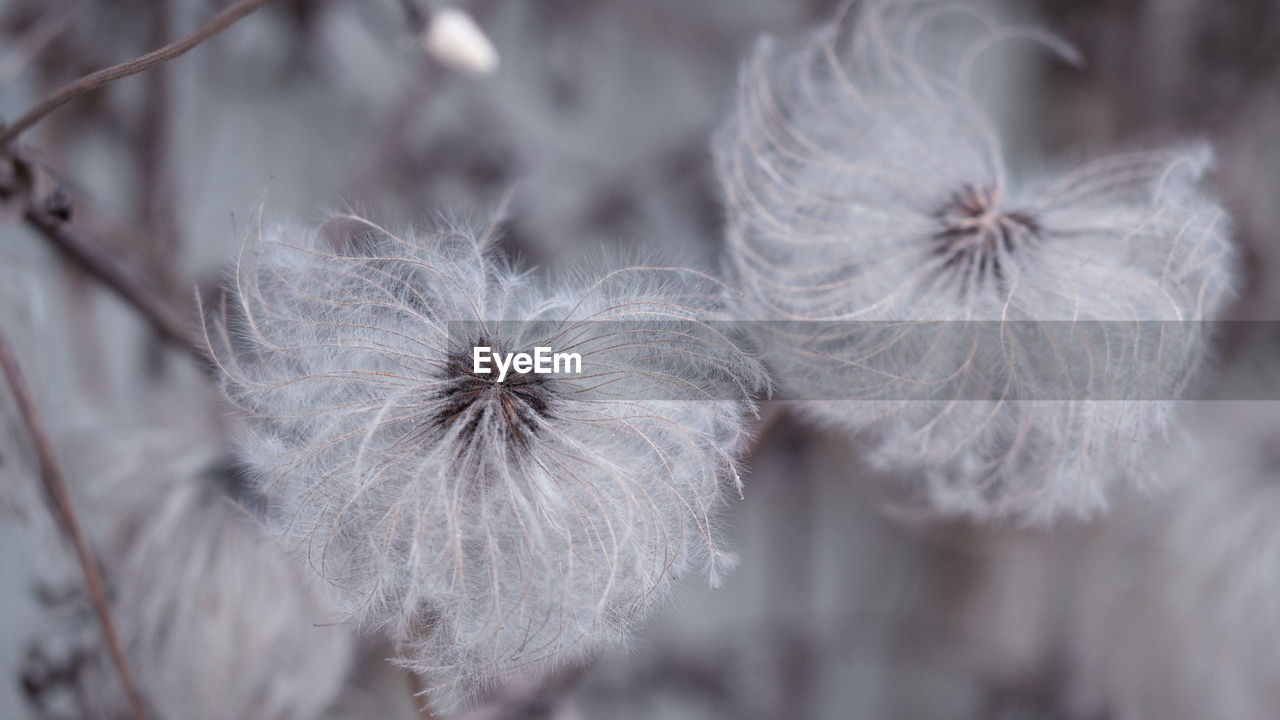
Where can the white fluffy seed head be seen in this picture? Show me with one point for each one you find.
(494, 529)
(987, 327)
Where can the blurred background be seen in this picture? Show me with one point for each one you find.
(594, 130)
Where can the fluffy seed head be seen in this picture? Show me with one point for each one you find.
(1008, 341)
(493, 528)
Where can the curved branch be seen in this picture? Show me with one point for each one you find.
(60, 498)
(92, 259)
(92, 81)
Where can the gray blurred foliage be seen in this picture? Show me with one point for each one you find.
(597, 125)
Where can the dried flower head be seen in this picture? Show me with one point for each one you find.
(1012, 344)
(494, 528)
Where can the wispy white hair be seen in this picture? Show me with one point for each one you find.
(1012, 344)
(493, 529)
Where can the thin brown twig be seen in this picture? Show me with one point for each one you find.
(58, 495)
(96, 262)
(92, 81)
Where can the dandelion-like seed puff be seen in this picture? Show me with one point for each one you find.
(494, 529)
(1009, 344)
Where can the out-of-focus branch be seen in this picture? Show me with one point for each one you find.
(155, 197)
(92, 259)
(60, 498)
(93, 81)
(414, 16)
(52, 224)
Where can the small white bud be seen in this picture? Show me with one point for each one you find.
(454, 39)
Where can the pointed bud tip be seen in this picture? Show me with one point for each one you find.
(453, 38)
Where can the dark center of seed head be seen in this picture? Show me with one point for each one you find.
(511, 409)
(977, 233)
